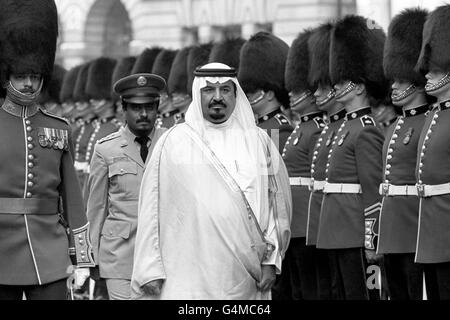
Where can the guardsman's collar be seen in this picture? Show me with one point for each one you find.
(310, 116)
(18, 110)
(268, 116)
(170, 114)
(358, 113)
(338, 116)
(107, 119)
(416, 111)
(444, 105)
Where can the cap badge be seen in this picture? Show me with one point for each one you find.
(141, 81)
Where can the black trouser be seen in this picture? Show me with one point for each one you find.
(437, 278)
(323, 273)
(348, 274)
(404, 277)
(281, 290)
(51, 291)
(303, 270)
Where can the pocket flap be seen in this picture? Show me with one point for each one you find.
(121, 168)
(116, 228)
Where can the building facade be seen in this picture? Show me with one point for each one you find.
(116, 28)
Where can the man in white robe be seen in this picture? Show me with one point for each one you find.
(215, 204)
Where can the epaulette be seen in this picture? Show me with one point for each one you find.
(320, 122)
(109, 137)
(116, 122)
(54, 115)
(367, 121)
(281, 118)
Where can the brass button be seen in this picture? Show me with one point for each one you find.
(27, 122)
(30, 176)
(30, 139)
(30, 146)
(31, 157)
(29, 194)
(80, 236)
(30, 165)
(30, 183)
(29, 128)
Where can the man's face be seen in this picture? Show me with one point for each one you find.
(433, 77)
(340, 88)
(26, 83)
(322, 95)
(141, 117)
(218, 101)
(398, 92)
(300, 100)
(257, 100)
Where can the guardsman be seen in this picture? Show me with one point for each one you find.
(351, 204)
(122, 69)
(167, 115)
(227, 52)
(68, 102)
(432, 169)
(98, 88)
(85, 111)
(117, 168)
(400, 206)
(177, 85)
(41, 200)
(319, 77)
(261, 75)
(49, 99)
(297, 155)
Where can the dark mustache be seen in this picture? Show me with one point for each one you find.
(216, 103)
(146, 120)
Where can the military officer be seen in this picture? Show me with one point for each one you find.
(297, 155)
(177, 88)
(432, 170)
(68, 102)
(41, 200)
(400, 206)
(167, 116)
(116, 171)
(84, 111)
(319, 44)
(122, 69)
(261, 75)
(351, 204)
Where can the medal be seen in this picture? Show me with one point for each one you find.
(330, 137)
(343, 138)
(295, 141)
(408, 135)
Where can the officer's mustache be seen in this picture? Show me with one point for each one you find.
(217, 103)
(143, 120)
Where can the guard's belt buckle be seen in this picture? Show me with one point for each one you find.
(420, 190)
(385, 189)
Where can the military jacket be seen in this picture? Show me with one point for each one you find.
(399, 213)
(318, 165)
(112, 207)
(297, 155)
(169, 119)
(40, 198)
(433, 168)
(277, 127)
(81, 146)
(350, 220)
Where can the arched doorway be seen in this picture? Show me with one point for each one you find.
(108, 30)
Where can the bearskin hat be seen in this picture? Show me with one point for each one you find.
(402, 47)
(319, 55)
(298, 64)
(68, 84)
(227, 52)
(121, 70)
(79, 91)
(144, 63)
(177, 81)
(98, 85)
(356, 54)
(436, 41)
(198, 56)
(163, 63)
(262, 65)
(53, 90)
(29, 30)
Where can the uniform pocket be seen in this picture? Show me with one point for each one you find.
(121, 168)
(116, 229)
(123, 179)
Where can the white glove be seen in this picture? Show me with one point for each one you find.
(80, 275)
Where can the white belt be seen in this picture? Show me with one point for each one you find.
(342, 188)
(300, 181)
(81, 166)
(317, 185)
(427, 190)
(387, 189)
